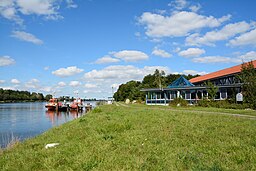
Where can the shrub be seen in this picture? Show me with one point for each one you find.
(178, 102)
(97, 110)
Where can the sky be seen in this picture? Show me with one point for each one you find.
(87, 48)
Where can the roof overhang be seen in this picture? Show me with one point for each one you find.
(188, 88)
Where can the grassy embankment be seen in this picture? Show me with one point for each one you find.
(142, 138)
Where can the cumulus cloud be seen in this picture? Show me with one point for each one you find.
(106, 59)
(46, 89)
(179, 4)
(61, 84)
(215, 59)
(131, 55)
(33, 83)
(8, 11)
(225, 33)
(177, 24)
(66, 72)
(74, 83)
(6, 60)
(71, 4)
(249, 56)
(191, 52)
(248, 38)
(122, 72)
(27, 37)
(47, 8)
(193, 72)
(15, 81)
(161, 53)
(195, 8)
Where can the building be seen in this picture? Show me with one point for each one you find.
(194, 89)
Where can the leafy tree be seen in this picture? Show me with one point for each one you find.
(48, 97)
(248, 77)
(159, 80)
(211, 89)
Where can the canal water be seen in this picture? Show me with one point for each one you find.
(26, 120)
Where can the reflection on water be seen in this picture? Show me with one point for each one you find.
(55, 117)
(25, 120)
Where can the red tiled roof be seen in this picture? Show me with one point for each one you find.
(220, 73)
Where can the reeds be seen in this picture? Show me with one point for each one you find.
(8, 141)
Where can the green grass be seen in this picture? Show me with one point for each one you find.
(139, 138)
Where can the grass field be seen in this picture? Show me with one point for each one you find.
(140, 137)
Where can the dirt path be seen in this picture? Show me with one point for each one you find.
(194, 111)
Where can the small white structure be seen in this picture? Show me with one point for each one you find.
(127, 101)
(239, 97)
(110, 100)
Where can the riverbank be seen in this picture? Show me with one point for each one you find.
(139, 137)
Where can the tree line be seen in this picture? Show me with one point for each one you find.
(16, 95)
(159, 79)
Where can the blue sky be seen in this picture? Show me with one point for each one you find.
(64, 47)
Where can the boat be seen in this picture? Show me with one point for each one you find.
(52, 105)
(63, 106)
(77, 104)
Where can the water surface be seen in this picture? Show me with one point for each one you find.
(25, 120)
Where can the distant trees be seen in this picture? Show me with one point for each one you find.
(248, 77)
(158, 79)
(15, 95)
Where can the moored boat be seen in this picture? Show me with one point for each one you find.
(77, 105)
(52, 105)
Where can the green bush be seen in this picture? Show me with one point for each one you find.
(204, 103)
(221, 104)
(97, 110)
(178, 102)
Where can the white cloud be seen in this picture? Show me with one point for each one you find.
(178, 24)
(249, 56)
(122, 73)
(61, 84)
(115, 75)
(33, 83)
(15, 81)
(71, 4)
(248, 38)
(46, 89)
(179, 4)
(2, 81)
(215, 59)
(9, 88)
(47, 8)
(88, 85)
(195, 8)
(225, 33)
(131, 55)
(162, 53)
(69, 71)
(8, 11)
(74, 83)
(193, 72)
(192, 52)
(6, 60)
(27, 37)
(106, 59)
